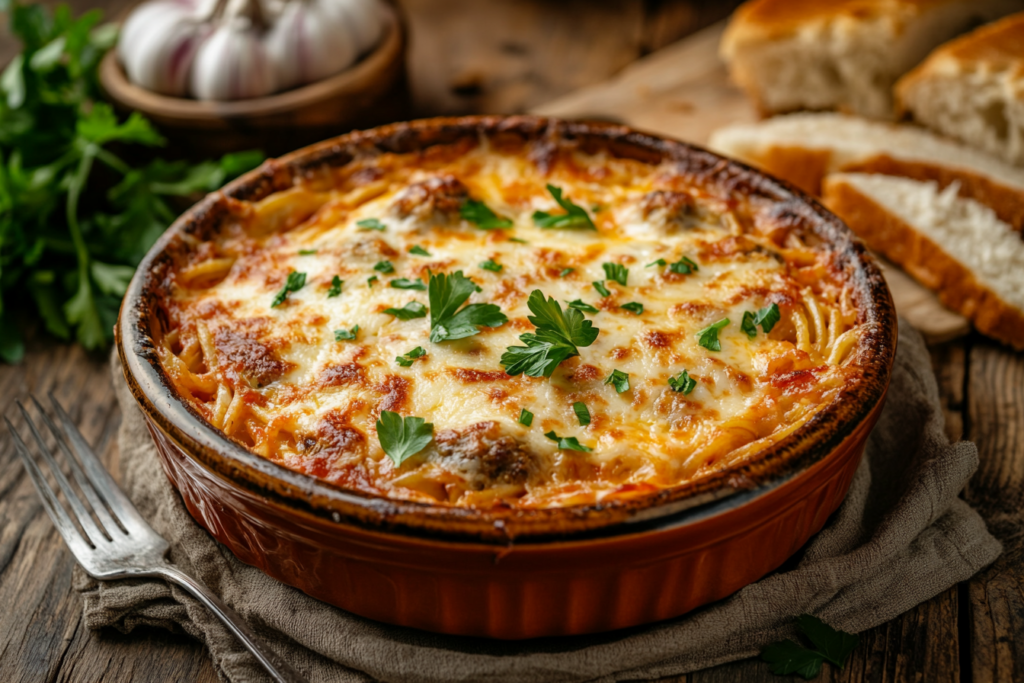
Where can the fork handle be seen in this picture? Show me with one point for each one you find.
(280, 670)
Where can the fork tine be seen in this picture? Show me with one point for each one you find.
(90, 493)
(92, 532)
(105, 485)
(58, 515)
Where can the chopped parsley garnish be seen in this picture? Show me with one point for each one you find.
(407, 359)
(346, 335)
(566, 271)
(294, 283)
(406, 283)
(633, 307)
(370, 280)
(568, 443)
(490, 265)
(765, 317)
(619, 380)
(307, 252)
(582, 413)
(601, 289)
(575, 216)
(580, 305)
(335, 290)
(831, 645)
(384, 267)
(418, 250)
(659, 262)
(708, 337)
(413, 309)
(481, 215)
(682, 383)
(558, 336)
(447, 293)
(517, 240)
(684, 266)
(525, 417)
(616, 272)
(371, 224)
(403, 437)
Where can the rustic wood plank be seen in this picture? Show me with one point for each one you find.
(995, 421)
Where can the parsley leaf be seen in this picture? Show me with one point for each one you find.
(619, 380)
(406, 283)
(566, 271)
(684, 266)
(634, 307)
(294, 283)
(708, 337)
(788, 657)
(403, 437)
(558, 337)
(580, 305)
(574, 217)
(480, 214)
(659, 262)
(582, 413)
(490, 265)
(601, 289)
(406, 359)
(346, 335)
(384, 267)
(307, 252)
(370, 281)
(525, 417)
(371, 224)
(765, 317)
(413, 309)
(447, 293)
(418, 250)
(568, 443)
(682, 383)
(517, 240)
(616, 272)
(335, 290)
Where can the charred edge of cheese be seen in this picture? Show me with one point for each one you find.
(276, 380)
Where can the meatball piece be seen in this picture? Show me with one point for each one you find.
(439, 197)
(483, 455)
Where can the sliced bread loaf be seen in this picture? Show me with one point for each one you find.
(841, 54)
(957, 247)
(972, 89)
(804, 148)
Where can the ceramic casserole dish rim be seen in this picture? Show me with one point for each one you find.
(780, 462)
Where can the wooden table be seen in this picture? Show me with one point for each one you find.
(506, 56)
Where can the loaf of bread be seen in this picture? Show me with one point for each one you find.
(972, 89)
(957, 247)
(804, 148)
(841, 54)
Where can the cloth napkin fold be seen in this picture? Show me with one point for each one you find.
(901, 537)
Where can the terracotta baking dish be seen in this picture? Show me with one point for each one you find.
(519, 573)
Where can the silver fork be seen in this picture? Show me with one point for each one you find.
(118, 543)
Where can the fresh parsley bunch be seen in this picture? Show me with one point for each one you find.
(76, 216)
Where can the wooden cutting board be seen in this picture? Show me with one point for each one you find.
(683, 91)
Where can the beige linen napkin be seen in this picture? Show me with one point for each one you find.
(901, 537)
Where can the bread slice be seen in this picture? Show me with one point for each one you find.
(972, 89)
(954, 246)
(841, 54)
(803, 148)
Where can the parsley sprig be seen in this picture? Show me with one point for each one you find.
(294, 283)
(682, 383)
(413, 309)
(619, 380)
(568, 443)
(408, 358)
(575, 216)
(708, 337)
(403, 437)
(346, 335)
(447, 293)
(482, 216)
(830, 645)
(616, 272)
(558, 337)
(335, 289)
(765, 317)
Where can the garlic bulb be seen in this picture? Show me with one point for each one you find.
(236, 49)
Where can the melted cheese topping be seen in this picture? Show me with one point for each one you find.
(276, 379)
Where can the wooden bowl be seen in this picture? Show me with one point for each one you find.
(371, 92)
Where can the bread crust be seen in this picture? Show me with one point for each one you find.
(807, 168)
(926, 262)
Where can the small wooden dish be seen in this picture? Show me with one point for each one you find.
(371, 92)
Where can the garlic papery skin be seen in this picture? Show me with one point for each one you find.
(232, 64)
(158, 43)
(309, 41)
